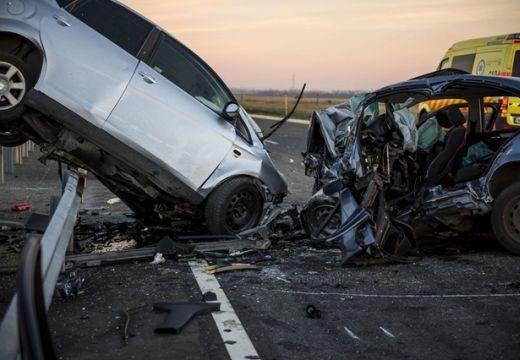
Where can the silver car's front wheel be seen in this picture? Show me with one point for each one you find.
(14, 80)
(12, 86)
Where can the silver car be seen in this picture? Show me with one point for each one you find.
(98, 86)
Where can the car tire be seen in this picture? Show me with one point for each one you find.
(505, 218)
(234, 206)
(10, 136)
(13, 73)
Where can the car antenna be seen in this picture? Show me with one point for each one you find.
(279, 123)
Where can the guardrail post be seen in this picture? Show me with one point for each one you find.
(2, 180)
(10, 160)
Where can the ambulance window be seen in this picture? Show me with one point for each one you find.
(463, 62)
(443, 64)
(516, 64)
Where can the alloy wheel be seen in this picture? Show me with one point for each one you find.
(12, 86)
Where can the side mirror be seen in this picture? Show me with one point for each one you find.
(231, 110)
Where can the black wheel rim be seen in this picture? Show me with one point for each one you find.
(243, 210)
(321, 213)
(512, 217)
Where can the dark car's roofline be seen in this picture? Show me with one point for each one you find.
(508, 84)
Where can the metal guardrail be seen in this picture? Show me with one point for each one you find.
(10, 156)
(23, 330)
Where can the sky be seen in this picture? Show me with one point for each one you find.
(329, 44)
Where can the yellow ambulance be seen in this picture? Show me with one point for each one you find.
(495, 55)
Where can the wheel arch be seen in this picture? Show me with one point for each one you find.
(216, 185)
(27, 42)
(504, 176)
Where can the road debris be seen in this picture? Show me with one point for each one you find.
(313, 312)
(21, 207)
(113, 201)
(158, 259)
(209, 296)
(128, 313)
(70, 284)
(179, 314)
(216, 269)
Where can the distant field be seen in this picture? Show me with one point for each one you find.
(275, 105)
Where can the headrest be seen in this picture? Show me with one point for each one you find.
(442, 119)
(456, 117)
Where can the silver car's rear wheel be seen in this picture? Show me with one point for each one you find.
(14, 80)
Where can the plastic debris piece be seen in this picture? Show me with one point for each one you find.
(313, 312)
(181, 313)
(167, 246)
(25, 206)
(70, 283)
(209, 296)
(158, 259)
(113, 201)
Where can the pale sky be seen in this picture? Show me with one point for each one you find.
(330, 44)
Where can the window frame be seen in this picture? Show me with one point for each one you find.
(120, 6)
(156, 43)
(516, 64)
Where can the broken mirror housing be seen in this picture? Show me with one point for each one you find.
(408, 176)
(134, 106)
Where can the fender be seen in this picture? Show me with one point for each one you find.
(498, 175)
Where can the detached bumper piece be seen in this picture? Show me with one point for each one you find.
(181, 313)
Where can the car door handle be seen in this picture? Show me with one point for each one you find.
(147, 77)
(61, 20)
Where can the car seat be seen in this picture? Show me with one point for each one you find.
(443, 164)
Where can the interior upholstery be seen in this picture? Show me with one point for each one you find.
(451, 155)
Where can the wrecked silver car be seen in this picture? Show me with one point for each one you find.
(385, 176)
(100, 87)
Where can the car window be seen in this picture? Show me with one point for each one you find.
(443, 64)
(516, 64)
(179, 65)
(113, 21)
(463, 62)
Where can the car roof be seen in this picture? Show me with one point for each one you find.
(459, 82)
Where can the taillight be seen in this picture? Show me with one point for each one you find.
(503, 105)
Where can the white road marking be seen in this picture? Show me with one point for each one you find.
(387, 333)
(238, 344)
(273, 118)
(351, 334)
(391, 296)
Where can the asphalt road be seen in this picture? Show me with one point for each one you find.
(459, 301)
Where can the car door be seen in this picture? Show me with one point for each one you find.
(90, 50)
(171, 110)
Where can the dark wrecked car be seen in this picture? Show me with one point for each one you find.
(385, 176)
(98, 86)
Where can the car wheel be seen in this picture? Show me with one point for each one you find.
(234, 206)
(14, 80)
(318, 210)
(505, 218)
(10, 136)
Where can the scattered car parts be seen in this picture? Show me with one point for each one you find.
(179, 314)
